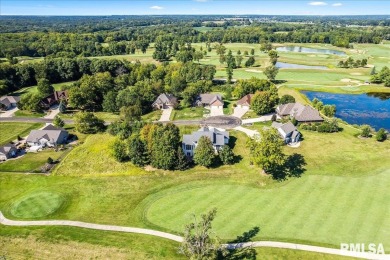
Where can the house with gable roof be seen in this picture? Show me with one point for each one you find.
(300, 112)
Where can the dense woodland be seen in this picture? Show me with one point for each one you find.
(97, 36)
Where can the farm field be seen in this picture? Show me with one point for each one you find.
(10, 131)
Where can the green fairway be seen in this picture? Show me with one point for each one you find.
(323, 209)
(37, 204)
(10, 131)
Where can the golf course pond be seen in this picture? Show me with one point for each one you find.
(309, 50)
(372, 108)
(284, 65)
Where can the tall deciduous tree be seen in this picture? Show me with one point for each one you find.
(198, 242)
(58, 121)
(266, 151)
(44, 87)
(271, 72)
(262, 103)
(88, 123)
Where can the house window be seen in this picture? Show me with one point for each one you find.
(188, 147)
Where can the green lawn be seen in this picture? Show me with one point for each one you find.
(189, 113)
(25, 113)
(35, 205)
(152, 116)
(30, 162)
(34, 89)
(10, 131)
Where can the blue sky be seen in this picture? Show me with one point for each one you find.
(134, 7)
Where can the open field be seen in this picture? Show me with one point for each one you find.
(10, 131)
(33, 89)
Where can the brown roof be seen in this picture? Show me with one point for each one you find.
(246, 100)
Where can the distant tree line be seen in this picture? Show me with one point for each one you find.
(351, 63)
(129, 40)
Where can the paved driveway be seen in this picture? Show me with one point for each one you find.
(166, 114)
(264, 118)
(240, 111)
(9, 113)
(248, 132)
(53, 112)
(216, 111)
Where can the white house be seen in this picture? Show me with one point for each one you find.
(8, 102)
(218, 137)
(209, 100)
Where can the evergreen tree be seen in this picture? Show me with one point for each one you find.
(137, 151)
(182, 161)
(119, 151)
(226, 155)
(204, 153)
(62, 107)
(58, 121)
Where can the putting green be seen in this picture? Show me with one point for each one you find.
(37, 204)
(314, 209)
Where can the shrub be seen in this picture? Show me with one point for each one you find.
(381, 135)
(294, 121)
(50, 160)
(119, 151)
(285, 99)
(58, 121)
(366, 131)
(226, 155)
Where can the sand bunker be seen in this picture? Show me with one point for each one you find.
(350, 81)
(255, 71)
(356, 73)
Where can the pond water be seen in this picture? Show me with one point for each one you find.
(283, 65)
(372, 109)
(309, 50)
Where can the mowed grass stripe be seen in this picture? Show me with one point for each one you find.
(326, 209)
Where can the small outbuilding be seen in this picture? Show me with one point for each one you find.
(288, 132)
(7, 151)
(8, 102)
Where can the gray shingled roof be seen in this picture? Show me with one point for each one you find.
(299, 112)
(208, 99)
(7, 100)
(50, 133)
(216, 136)
(5, 149)
(165, 99)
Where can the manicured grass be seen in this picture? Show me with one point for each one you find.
(25, 113)
(319, 209)
(30, 162)
(189, 113)
(10, 131)
(36, 205)
(152, 116)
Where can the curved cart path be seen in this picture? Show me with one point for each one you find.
(8, 222)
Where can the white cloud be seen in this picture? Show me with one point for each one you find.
(318, 3)
(337, 4)
(156, 7)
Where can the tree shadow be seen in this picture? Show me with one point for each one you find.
(279, 81)
(293, 167)
(240, 248)
(232, 141)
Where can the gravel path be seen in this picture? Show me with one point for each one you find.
(333, 251)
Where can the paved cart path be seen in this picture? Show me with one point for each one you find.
(8, 222)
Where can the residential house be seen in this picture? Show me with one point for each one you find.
(7, 151)
(209, 100)
(300, 112)
(8, 102)
(165, 101)
(245, 101)
(288, 132)
(218, 137)
(49, 136)
(53, 99)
